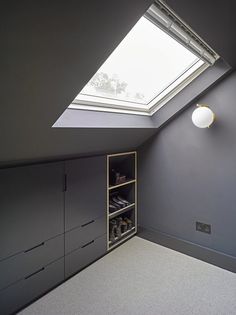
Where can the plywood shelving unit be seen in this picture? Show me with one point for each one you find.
(121, 165)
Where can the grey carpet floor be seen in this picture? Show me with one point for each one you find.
(143, 278)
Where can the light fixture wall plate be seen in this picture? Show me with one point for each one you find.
(203, 116)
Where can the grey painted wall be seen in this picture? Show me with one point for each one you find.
(188, 174)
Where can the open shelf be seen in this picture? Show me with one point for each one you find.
(123, 184)
(125, 238)
(122, 236)
(121, 165)
(120, 211)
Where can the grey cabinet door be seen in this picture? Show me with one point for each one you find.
(85, 197)
(31, 206)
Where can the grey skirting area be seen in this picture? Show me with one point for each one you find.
(143, 278)
(194, 250)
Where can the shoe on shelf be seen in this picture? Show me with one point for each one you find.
(116, 205)
(129, 223)
(118, 229)
(127, 203)
(117, 201)
(121, 179)
(112, 230)
(112, 208)
(123, 226)
(113, 176)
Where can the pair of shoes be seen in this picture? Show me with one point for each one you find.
(115, 228)
(125, 202)
(118, 226)
(117, 203)
(126, 225)
(129, 223)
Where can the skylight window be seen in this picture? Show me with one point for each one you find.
(146, 69)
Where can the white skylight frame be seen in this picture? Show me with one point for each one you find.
(162, 17)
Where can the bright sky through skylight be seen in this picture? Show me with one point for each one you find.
(144, 63)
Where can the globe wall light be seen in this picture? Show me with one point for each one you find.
(203, 116)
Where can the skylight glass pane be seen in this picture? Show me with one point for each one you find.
(145, 63)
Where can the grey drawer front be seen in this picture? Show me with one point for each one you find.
(19, 266)
(80, 258)
(24, 291)
(90, 230)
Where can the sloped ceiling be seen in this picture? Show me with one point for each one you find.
(49, 50)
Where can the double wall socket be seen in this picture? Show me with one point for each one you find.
(203, 227)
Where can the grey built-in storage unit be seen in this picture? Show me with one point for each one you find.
(31, 229)
(53, 223)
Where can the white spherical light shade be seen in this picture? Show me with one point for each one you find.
(203, 117)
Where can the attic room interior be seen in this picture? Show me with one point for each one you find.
(117, 160)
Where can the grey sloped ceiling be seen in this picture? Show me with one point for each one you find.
(66, 143)
(49, 50)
